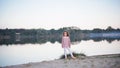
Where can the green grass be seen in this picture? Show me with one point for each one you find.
(75, 54)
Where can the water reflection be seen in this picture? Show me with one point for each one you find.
(38, 48)
(17, 54)
(33, 39)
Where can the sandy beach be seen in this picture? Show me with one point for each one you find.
(100, 61)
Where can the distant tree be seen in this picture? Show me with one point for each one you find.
(110, 28)
(97, 30)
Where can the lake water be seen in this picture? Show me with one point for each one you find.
(25, 53)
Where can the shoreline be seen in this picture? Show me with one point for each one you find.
(98, 61)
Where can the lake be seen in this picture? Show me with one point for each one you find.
(14, 54)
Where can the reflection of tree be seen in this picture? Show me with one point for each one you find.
(34, 40)
(109, 40)
(97, 39)
(76, 42)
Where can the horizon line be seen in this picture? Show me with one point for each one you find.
(74, 27)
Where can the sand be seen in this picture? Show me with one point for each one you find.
(101, 61)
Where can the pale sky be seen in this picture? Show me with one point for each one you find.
(48, 14)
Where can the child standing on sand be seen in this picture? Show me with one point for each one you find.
(66, 44)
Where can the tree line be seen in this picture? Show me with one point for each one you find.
(52, 35)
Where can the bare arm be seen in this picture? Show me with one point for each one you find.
(69, 43)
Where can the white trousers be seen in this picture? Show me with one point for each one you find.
(65, 52)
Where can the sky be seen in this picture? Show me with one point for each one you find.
(55, 14)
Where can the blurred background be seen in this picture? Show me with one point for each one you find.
(31, 30)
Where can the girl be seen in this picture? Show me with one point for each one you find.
(66, 44)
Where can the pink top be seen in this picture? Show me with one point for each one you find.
(65, 42)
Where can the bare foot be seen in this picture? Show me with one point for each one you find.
(66, 58)
(73, 57)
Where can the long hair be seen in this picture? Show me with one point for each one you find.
(66, 32)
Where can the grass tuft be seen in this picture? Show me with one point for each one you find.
(75, 54)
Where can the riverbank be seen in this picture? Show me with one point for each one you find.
(100, 61)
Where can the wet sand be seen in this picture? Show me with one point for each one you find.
(100, 61)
